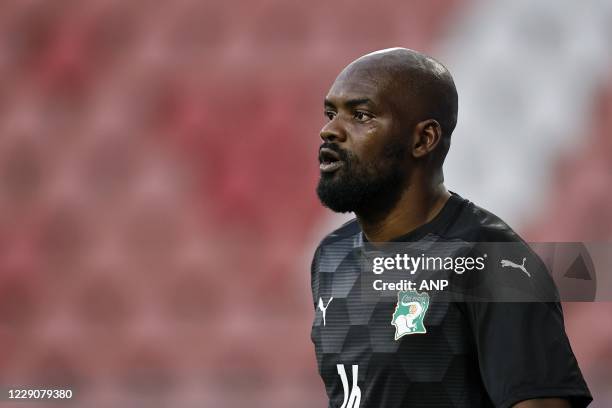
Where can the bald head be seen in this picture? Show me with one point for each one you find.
(418, 86)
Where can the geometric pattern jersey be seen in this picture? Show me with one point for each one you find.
(473, 354)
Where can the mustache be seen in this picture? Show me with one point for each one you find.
(342, 154)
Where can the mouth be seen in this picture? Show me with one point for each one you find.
(329, 161)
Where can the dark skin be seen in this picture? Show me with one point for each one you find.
(369, 106)
(364, 128)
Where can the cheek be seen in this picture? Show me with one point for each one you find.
(371, 143)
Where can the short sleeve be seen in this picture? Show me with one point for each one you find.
(523, 350)
(524, 353)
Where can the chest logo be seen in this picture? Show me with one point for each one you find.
(409, 313)
(505, 263)
(323, 309)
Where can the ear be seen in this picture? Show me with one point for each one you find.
(427, 135)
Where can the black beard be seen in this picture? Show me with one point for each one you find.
(364, 187)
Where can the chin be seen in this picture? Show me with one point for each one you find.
(334, 197)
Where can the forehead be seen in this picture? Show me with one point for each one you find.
(360, 83)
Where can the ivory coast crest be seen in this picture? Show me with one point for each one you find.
(409, 313)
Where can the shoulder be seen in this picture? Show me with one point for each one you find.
(350, 230)
(514, 270)
(340, 241)
(476, 224)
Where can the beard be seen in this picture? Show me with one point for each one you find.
(364, 186)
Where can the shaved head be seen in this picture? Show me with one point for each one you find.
(418, 86)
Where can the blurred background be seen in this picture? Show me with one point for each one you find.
(158, 166)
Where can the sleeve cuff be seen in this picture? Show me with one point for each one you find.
(578, 397)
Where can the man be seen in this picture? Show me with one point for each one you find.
(390, 115)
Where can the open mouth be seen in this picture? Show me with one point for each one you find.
(329, 161)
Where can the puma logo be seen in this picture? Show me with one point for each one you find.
(324, 308)
(505, 263)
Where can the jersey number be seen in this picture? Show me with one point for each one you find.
(353, 399)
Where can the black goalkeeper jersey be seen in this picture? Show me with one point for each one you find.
(415, 350)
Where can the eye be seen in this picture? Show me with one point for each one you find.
(329, 114)
(362, 116)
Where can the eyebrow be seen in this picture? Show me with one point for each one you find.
(351, 103)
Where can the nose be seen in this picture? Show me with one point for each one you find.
(333, 132)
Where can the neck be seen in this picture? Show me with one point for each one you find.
(418, 204)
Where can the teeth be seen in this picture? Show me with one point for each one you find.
(327, 166)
